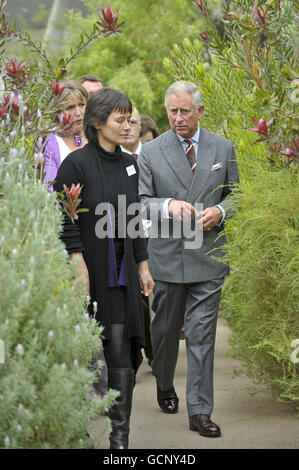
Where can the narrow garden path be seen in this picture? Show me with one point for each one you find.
(249, 417)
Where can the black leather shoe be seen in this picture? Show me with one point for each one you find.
(168, 400)
(204, 426)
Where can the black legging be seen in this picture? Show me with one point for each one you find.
(118, 351)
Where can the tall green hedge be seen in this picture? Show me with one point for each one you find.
(132, 62)
(261, 296)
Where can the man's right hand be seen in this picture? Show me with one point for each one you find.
(181, 209)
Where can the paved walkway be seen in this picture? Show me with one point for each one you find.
(249, 418)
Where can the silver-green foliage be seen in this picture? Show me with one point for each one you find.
(48, 339)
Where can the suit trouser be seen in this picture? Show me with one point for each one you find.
(196, 307)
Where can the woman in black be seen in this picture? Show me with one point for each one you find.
(112, 260)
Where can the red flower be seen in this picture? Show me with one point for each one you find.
(204, 36)
(16, 70)
(262, 126)
(261, 14)
(9, 103)
(72, 201)
(109, 21)
(74, 192)
(3, 110)
(56, 87)
(15, 105)
(65, 121)
(4, 106)
(292, 151)
(199, 4)
(3, 3)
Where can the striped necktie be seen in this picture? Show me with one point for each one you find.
(190, 154)
(135, 155)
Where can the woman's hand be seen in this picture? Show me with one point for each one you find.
(82, 270)
(146, 280)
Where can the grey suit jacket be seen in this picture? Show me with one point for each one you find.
(166, 173)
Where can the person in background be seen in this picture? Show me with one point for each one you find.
(68, 134)
(90, 82)
(148, 129)
(133, 143)
(182, 168)
(133, 147)
(112, 261)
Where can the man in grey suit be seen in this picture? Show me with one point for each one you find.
(187, 173)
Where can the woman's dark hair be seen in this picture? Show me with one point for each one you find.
(99, 107)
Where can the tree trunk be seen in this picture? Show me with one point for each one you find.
(55, 29)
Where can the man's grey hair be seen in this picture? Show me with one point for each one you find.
(138, 113)
(186, 87)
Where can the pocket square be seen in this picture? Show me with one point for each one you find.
(217, 166)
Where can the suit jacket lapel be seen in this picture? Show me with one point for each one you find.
(174, 154)
(205, 159)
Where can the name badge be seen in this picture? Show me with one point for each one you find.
(131, 170)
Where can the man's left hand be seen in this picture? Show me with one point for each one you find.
(211, 216)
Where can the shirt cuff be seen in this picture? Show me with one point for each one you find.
(165, 212)
(146, 227)
(223, 215)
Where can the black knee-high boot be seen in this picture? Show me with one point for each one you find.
(123, 381)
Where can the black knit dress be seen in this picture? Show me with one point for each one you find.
(104, 176)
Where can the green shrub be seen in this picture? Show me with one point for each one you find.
(49, 343)
(46, 336)
(261, 297)
(132, 62)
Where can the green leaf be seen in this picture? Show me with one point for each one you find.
(61, 63)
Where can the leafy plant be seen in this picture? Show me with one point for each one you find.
(48, 337)
(132, 62)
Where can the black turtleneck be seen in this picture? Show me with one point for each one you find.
(111, 168)
(113, 188)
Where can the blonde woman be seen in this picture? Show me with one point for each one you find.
(68, 134)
